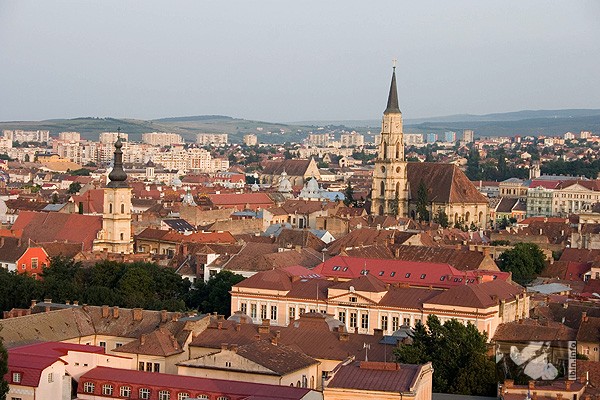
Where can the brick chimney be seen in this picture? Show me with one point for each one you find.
(265, 327)
(105, 312)
(224, 346)
(137, 314)
(234, 348)
(33, 303)
(568, 384)
(274, 341)
(531, 385)
(584, 316)
(143, 339)
(115, 312)
(508, 383)
(163, 316)
(220, 325)
(238, 327)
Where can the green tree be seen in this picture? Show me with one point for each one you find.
(525, 260)
(457, 353)
(82, 171)
(74, 187)
(441, 218)
(213, 296)
(422, 202)
(473, 170)
(349, 195)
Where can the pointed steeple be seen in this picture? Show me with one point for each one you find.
(392, 103)
(117, 176)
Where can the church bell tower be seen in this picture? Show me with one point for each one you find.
(389, 193)
(115, 236)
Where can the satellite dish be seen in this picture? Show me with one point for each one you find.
(352, 289)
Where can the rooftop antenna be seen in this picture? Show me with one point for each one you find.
(366, 346)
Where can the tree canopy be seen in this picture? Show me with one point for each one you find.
(213, 296)
(526, 261)
(3, 371)
(457, 353)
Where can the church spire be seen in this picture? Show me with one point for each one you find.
(392, 103)
(117, 176)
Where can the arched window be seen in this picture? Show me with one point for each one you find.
(480, 216)
(384, 150)
(110, 208)
(122, 236)
(467, 216)
(398, 150)
(398, 190)
(122, 208)
(382, 188)
(381, 209)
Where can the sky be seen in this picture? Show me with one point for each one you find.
(283, 61)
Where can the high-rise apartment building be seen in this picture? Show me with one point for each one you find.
(352, 139)
(468, 135)
(211, 139)
(27, 136)
(69, 136)
(250, 140)
(111, 137)
(161, 138)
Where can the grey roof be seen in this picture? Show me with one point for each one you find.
(392, 103)
(179, 224)
(53, 207)
(550, 288)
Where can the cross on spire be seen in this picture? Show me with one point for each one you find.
(394, 61)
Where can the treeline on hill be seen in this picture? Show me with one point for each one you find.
(129, 285)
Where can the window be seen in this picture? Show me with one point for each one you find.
(149, 366)
(263, 311)
(89, 387)
(353, 299)
(141, 366)
(34, 263)
(353, 320)
(144, 393)
(423, 276)
(407, 275)
(274, 313)
(110, 208)
(301, 310)
(253, 310)
(50, 377)
(364, 321)
(406, 321)
(442, 277)
(16, 377)
(342, 317)
(125, 391)
(228, 364)
(395, 323)
(384, 322)
(244, 308)
(164, 395)
(107, 389)
(102, 344)
(222, 398)
(122, 208)
(118, 345)
(292, 312)
(203, 396)
(183, 396)
(156, 367)
(381, 273)
(393, 273)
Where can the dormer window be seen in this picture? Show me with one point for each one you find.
(407, 275)
(423, 276)
(353, 299)
(16, 377)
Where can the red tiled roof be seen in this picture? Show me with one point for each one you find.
(414, 273)
(193, 384)
(50, 227)
(196, 237)
(532, 330)
(380, 377)
(241, 199)
(291, 167)
(92, 201)
(481, 295)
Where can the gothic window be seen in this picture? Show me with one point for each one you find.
(121, 236)
(384, 150)
(122, 208)
(382, 189)
(398, 190)
(381, 209)
(398, 150)
(110, 208)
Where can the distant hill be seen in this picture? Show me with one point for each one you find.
(527, 122)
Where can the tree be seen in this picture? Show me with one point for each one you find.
(82, 171)
(213, 296)
(3, 371)
(526, 261)
(422, 201)
(457, 353)
(473, 165)
(349, 195)
(74, 187)
(441, 218)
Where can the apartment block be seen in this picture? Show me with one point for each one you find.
(211, 138)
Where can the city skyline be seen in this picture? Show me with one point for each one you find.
(273, 62)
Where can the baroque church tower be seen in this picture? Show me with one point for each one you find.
(115, 236)
(389, 193)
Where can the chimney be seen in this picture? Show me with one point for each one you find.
(265, 327)
(377, 332)
(137, 314)
(274, 341)
(234, 348)
(33, 303)
(531, 385)
(175, 316)
(224, 346)
(163, 316)
(143, 339)
(220, 325)
(238, 327)
(508, 383)
(584, 316)
(568, 384)
(67, 302)
(278, 334)
(75, 302)
(105, 311)
(115, 312)
(47, 300)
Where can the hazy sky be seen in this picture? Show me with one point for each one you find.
(295, 60)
